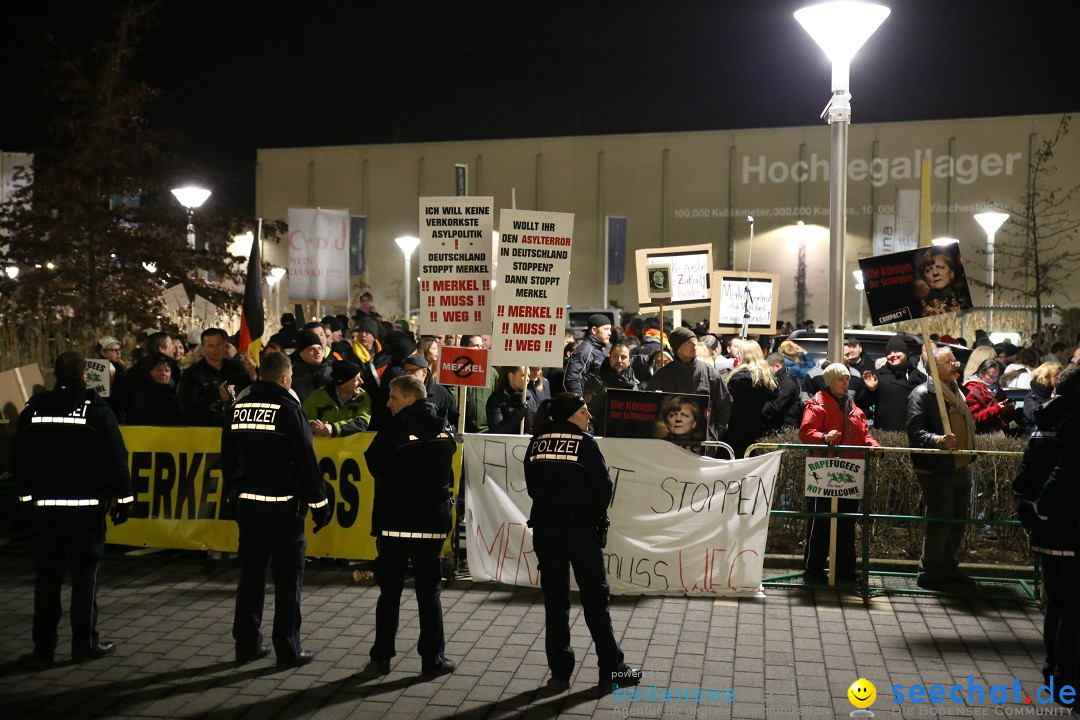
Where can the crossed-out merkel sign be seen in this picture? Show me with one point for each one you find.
(463, 366)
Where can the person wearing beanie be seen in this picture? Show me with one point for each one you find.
(943, 478)
(887, 390)
(688, 375)
(1048, 507)
(831, 418)
(567, 478)
(643, 357)
(310, 370)
(341, 408)
(589, 356)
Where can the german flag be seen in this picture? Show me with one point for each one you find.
(249, 340)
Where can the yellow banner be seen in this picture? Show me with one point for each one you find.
(176, 472)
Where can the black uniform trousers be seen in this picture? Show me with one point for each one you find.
(817, 538)
(558, 548)
(1061, 624)
(271, 536)
(62, 534)
(390, 565)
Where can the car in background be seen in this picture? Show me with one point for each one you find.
(578, 320)
(873, 342)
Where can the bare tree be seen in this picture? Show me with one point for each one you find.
(1040, 250)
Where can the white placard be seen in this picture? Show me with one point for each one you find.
(691, 267)
(731, 301)
(531, 287)
(680, 524)
(99, 375)
(175, 298)
(835, 477)
(319, 254)
(205, 312)
(455, 265)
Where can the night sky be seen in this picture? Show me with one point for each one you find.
(236, 76)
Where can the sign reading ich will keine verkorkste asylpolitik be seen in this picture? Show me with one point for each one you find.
(532, 282)
(456, 265)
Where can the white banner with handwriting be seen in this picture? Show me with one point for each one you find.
(680, 524)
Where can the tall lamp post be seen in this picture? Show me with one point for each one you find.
(408, 245)
(990, 222)
(191, 197)
(840, 29)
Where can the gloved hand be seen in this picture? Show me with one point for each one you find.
(1025, 512)
(321, 517)
(601, 530)
(120, 513)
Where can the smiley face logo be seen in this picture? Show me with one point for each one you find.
(862, 693)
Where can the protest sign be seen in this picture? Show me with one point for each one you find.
(98, 372)
(737, 293)
(681, 419)
(834, 477)
(319, 254)
(204, 311)
(533, 282)
(680, 524)
(915, 283)
(175, 298)
(691, 270)
(463, 366)
(455, 265)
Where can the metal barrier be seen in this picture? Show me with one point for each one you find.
(1030, 587)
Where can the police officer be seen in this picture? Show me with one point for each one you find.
(70, 462)
(410, 459)
(271, 478)
(568, 482)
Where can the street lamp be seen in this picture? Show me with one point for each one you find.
(408, 245)
(11, 271)
(241, 244)
(274, 281)
(191, 197)
(990, 222)
(840, 29)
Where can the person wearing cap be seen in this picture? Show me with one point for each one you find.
(310, 370)
(70, 463)
(567, 478)
(687, 375)
(209, 387)
(109, 348)
(853, 356)
(418, 366)
(832, 418)
(271, 478)
(589, 356)
(341, 408)
(1048, 506)
(887, 389)
(411, 459)
(643, 357)
(943, 479)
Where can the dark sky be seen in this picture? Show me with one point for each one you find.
(236, 76)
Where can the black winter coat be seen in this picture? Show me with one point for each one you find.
(1047, 483)
(889, 401)
(566, 477)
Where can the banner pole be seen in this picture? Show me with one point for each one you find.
(834, 507)
(463, 398)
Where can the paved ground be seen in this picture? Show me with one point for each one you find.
(793, 653)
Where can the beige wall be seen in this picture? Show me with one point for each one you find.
(675, 189)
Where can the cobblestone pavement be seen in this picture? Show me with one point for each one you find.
(793, 653)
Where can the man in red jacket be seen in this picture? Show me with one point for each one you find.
(831, 418)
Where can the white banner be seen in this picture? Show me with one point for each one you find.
(205, 312)
(318, 254)
(455, 265)
(680, 524)
(533, 282)
(907, 219)
(835, 477)
(98, 375)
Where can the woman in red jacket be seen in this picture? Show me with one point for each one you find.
(832, 418)
(988, 404)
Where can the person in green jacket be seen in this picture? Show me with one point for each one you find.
(341, 408)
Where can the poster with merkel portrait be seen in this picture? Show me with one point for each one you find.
(915, 283)
(681, 419)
